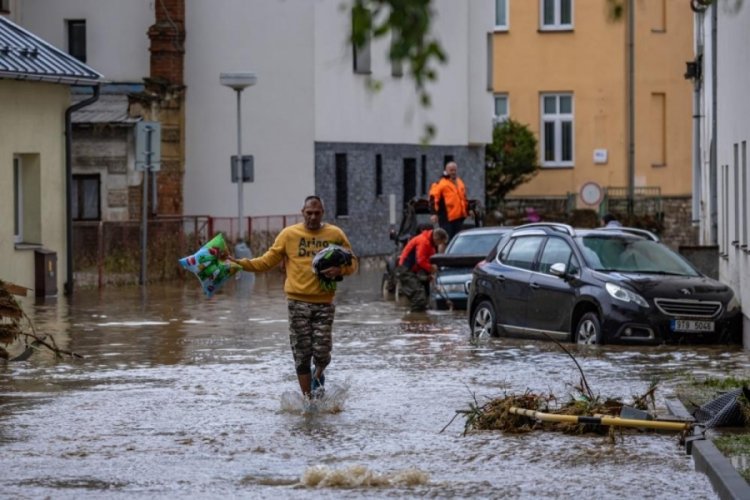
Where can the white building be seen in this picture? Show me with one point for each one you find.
(311, 122)
(722, 202)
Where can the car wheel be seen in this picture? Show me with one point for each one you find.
(589, 330)
(387, 287)
(401, 299)
(483, 321)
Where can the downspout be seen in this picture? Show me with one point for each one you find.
(69, 185)
(631, 105)
(697, 83)
(714, 107)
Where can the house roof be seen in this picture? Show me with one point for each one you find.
(25, 56)
(109, 108)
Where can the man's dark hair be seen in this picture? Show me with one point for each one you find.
(608, 217)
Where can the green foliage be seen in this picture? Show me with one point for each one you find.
(408, 21)
(511, 160)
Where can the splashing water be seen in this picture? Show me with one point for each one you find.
(359, 476)
(332, 400)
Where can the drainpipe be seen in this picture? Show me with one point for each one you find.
(714, 106)
(69, 185)
(631, 105)
(697, 83)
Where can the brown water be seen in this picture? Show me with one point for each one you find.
(179, 395)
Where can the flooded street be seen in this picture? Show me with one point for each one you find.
(182, 396)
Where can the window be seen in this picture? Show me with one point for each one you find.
(736, 199)
(17, 201)
(342, 186)
(423, 174)
(556, 15)
(397, 65)
(5, 6)
(85, 197)
(446, 160)
(523, 252)
(361, 17)
(410, 179)
(501, 15)
(27, 216)
(557, 130)
(555, 251)
(378, 175)
(501, 108)
(77, 39)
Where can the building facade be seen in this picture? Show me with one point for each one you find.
(35, 80)
(722, 77)
(312, 122)
(606, 117)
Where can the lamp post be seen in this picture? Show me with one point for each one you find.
(239, 81)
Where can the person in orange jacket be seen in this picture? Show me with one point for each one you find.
(414, 268)
(448, 204)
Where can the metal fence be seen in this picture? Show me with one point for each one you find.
(109, 252)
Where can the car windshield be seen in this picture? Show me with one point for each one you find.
(473, 244)
(632, 255)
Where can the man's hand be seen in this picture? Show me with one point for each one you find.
(332, 272)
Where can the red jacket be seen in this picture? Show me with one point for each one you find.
(454, 197)
(417, 252)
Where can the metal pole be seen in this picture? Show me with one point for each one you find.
(631, 106)
(240, 183)
(144, 227)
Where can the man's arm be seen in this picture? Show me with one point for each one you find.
(268, 260)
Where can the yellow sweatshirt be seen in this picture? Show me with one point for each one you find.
(299, 245)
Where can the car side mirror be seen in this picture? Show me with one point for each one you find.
(558, 269)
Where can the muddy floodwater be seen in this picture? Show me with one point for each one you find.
(181, 396)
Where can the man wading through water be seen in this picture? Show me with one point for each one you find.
(414, 269)
(311, 307)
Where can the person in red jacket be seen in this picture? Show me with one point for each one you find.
(449, 205)
(414, 269)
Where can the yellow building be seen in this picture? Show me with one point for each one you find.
(34, 96)
(563, 68)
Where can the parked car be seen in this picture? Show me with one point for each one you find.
(415, 219)
(594, 286)
(450, 290)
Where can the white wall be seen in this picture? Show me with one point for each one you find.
(116, 39)
(732, 110)
(346, 111)
(273, 39)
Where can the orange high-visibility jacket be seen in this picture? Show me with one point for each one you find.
(417, 252)
(453, 195)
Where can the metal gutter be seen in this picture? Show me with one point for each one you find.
(69, 185)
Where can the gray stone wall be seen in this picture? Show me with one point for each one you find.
(367, 224)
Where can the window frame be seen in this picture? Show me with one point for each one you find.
(557, 119)
(557, 24)
(17, 200)
(506, 13)
(341, 166)
(77, 185)
(500, 118)
(69, 34)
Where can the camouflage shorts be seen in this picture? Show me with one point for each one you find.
(310, 327)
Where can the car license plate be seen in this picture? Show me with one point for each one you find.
(691, 325)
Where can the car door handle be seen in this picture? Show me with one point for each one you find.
(500, 277)
(534, 285)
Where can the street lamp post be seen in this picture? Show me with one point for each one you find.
(239, 81)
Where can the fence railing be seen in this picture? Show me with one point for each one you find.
(109, 252)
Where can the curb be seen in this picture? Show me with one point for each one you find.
(724, 478)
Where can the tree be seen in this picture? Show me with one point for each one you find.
(510, 160)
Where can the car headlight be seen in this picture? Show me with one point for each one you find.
(625, 295)
(734, 304)
(451, 287)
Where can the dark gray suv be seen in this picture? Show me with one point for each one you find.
(595, 286)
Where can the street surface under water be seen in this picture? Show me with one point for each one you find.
(179, 395)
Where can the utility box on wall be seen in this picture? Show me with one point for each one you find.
(45, 272)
